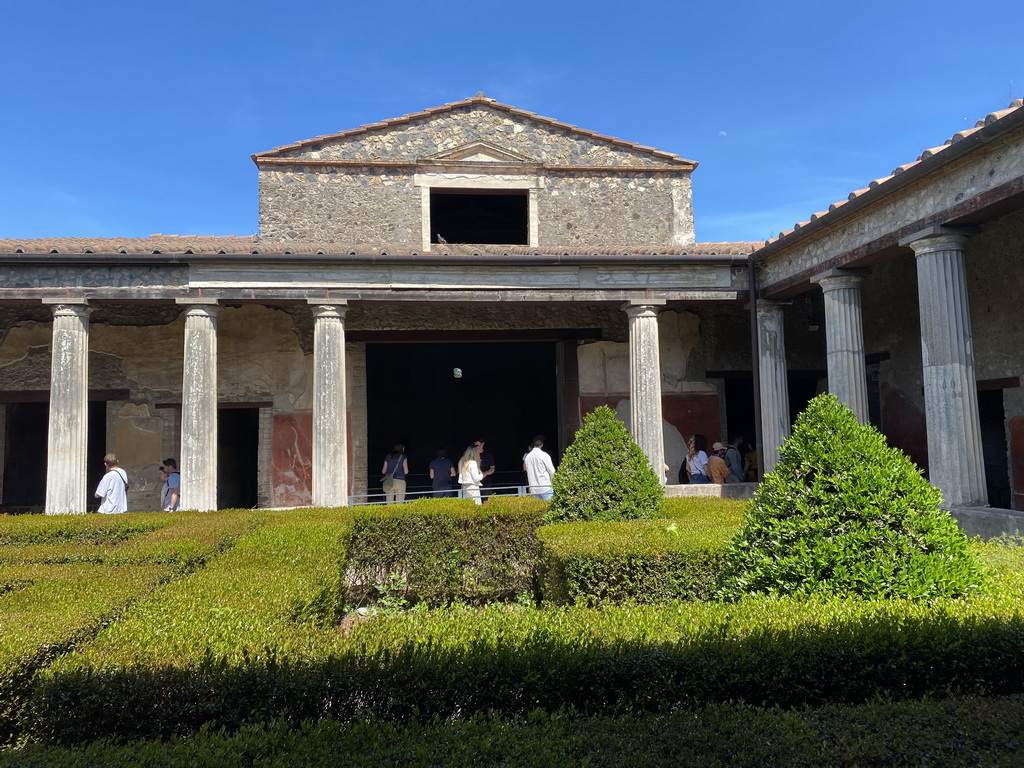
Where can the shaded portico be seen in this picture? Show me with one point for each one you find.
(910, 273)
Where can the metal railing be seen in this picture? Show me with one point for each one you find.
(411, 494)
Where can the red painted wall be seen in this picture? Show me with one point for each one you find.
(904, 426)
(291, 464)
(689, 412)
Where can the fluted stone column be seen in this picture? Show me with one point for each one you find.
(645, 381)
(198, 463)
(68, 435)
(955, 459)
(844, 339)
(330, 434)
(771, 350)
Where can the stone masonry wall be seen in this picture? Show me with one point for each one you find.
(452, 129)
(380, 207)
(630, 209)
(383, 206)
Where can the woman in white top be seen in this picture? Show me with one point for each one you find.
(697, 459)
(470, 475)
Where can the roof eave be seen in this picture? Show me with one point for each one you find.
(925, 167)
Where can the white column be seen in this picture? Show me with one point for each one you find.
(198, 463)
(68, 436)
(645, 381)
(955, 460)
(330, 434)
(771, 355)
(844, 339)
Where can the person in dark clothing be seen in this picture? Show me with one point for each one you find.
(442, 471)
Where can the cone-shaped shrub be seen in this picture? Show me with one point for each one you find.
(604, 475)
(845, 514)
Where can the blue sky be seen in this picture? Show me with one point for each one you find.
(123, 119)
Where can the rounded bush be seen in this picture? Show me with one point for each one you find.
(604, 475)
(845, 514)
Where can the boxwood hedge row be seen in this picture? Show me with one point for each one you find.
(677, 557)
(974, 731)
(63, 578)
(138, 682)
(47, 609)
(185, 539)
(444, 550)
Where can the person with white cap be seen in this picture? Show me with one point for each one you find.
(716, 464)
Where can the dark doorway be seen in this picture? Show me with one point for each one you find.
(238, 431)
(432, 395)
(739, 408)
(801, 390)
(26, 452)
(993, 447)
(96, 450)
(479, 216)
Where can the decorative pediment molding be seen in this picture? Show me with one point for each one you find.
(478, 152)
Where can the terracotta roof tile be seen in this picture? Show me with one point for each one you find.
(184, 244)
(478, 99)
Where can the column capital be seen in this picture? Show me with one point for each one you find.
(834, 279)
(644, 307)
(328, 308)
(199, 307)
(772, 306)
(938, 238)
(68, 307)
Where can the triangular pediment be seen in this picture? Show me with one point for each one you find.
(478, 152)
(430, 135)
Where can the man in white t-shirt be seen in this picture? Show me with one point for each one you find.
(113, 488)
(539, 470)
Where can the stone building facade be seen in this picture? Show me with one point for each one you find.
(475, 270)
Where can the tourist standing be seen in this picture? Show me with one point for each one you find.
(734, 458)
(487, 466)
(697, 459)
(470, 476)
(717, 468)
(441, 473)
(539, 470)
(395, 470)
(113, 488)
(172, 489)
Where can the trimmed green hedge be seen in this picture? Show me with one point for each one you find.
(444, 550)
(959, 731)
(845, 514)
(185, 539)
(677, 557)
(603, 475)
(154, 674)
(47, 609)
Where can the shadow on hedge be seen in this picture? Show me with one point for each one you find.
(893, 657)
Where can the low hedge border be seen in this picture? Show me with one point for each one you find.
(135, 683)
(183, 538)
(444, 550)
(677, 557)
(983, 732)
(50, 609)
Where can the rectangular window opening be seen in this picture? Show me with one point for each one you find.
(479, 216)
